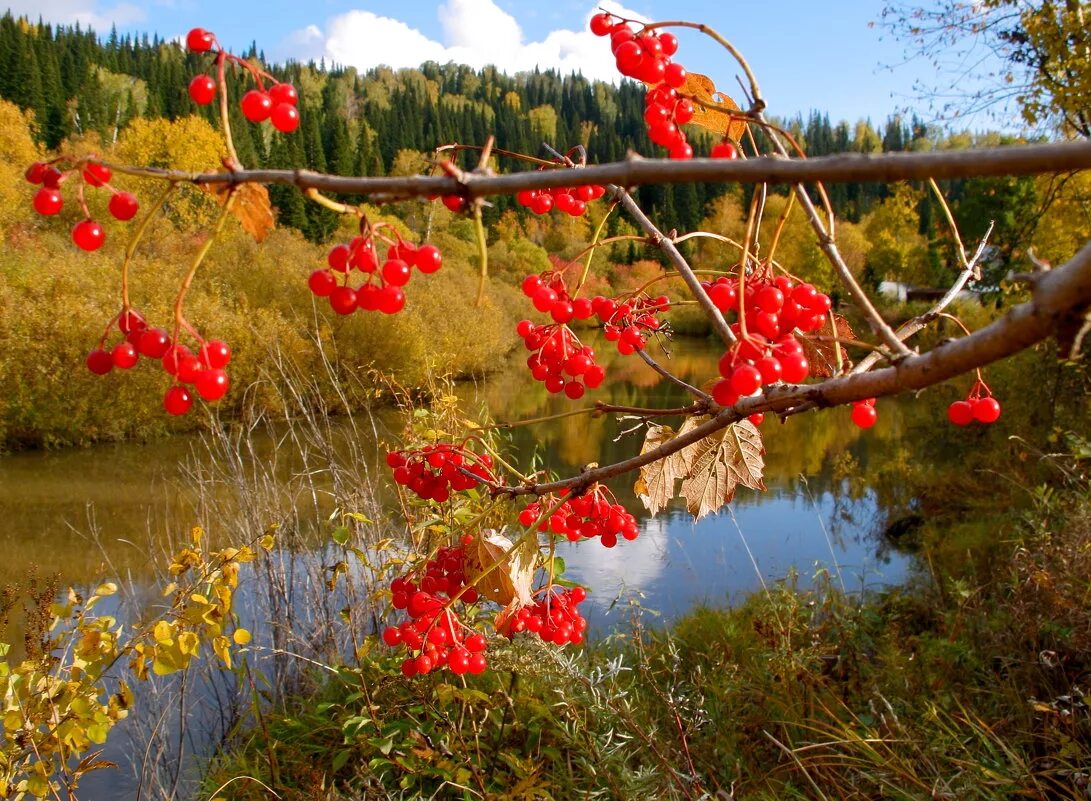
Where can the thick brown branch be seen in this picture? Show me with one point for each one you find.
(1060, 296)
(1013, 160)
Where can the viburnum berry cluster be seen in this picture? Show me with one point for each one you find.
(87, 234)
(381, 289)
(646, 55)
(203, 370)
(433, 472)
(436, 638)
(572, 200)
(278, 103)
(596, 513)
(629, 323)
(768, 349)
(555, 617)
(980, 405)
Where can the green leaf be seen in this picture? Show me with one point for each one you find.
(340, 535)
(340, 759)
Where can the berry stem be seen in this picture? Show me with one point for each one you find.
(314, 195)
(135, 238)
(483, 255)
(591, 250)
(780, 227)
(199, 257)
(233, 162)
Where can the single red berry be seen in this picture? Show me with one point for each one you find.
(396, 272)
(338, 258)
(961, 413)
(674, 75)
(391, 300)
(202, 89)
(601, 24)
(51, 178)
(986, 410)
(199, 40)
(190, 369)
(669, 43)
(131, 320)
(96, 174)
(756, 419)
(124, 355)
(173, 358)
(256, 105)
(36, 172)
(283, 93)
(745, 380)
(863, 415)
(212, 384)
(428, 259)
(457, 203)
(99, 362)
(794, 367)
(124, 206)
(88, 235)
(154, 343)
(392, 636)
(215, 354)
(724, 394)
(343, 300)
(177, 401)
(48, 201)
(285, 117)
(322, 283)
(724, 150)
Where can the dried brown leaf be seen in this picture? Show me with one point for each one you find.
(655, 485)
(251, 207)
(713, 110)
(512, 581)
(721, 462)
(821, 351)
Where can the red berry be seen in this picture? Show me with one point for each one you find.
(863, 415)
(674, 75)
(428, 259)
(724, 150)
(48, 201)
(199, 40)
(396, 272)
(212, 384)
(256, 105)
(285, 117)
(51, 178)
(88, 235)
(391, 300)
(154, 343)
(177, 401)
(202, 89)
(392, 636)
(215, 354)
(745, 379)
(961, 413)
(322, 283)
(669, 43)
(189, 369)
(36, 172)
(173, 358)
(131, 320)
(99, 362)
(986, 410)
(124, 206)
(343, 300)
(96, 174)
(794, 367)
(124, 355)
(601, 24)
(283, 93)
(724, 394)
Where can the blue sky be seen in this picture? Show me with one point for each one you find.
(806, 54)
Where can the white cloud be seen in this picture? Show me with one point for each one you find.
(474, 32)
(86, 12)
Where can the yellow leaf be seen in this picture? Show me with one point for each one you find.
(241, 636)
(267, 542)
(163, 631)
(251, 207)
(512, 580)
(712, 110)
(109, 588)
(222, 647)
(188, 643)
(170, 589)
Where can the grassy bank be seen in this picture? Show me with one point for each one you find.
(966, 683)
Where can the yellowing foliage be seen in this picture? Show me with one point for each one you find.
(17, 150)
(189, 144)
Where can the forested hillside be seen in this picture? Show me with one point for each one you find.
(78, 83)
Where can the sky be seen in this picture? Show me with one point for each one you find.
(806, 55)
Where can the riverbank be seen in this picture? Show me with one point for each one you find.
(965, 683)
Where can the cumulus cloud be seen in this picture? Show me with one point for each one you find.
(474, 32)
(87, 13)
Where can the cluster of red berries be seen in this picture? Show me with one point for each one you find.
(571, 200)
(559, 360)
(769, 351)
(593, 514)
(630, 323)
(980, 405)
(86, 234)
(435, 471)
(382, 288)
(204, 370)
(277, 105)
(438, 637)
(555, 618)
(646, 56)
